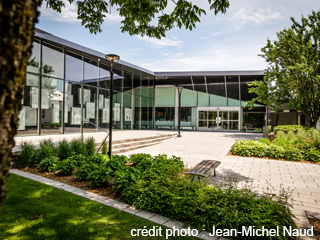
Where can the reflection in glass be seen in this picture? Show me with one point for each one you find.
(224, 125)
(52, 61)
(34, 60)
(233, 115)
(74, 67)
(203, 124)
(213, 115)
(51, 106)
(203, 115)
(72, 115)
(28, 116)
(91, 72)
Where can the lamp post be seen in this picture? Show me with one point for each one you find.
(179, 110)
(111, 58)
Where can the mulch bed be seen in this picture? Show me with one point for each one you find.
(71, 180)
(316, 227)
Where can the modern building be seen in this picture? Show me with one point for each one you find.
(67, 91)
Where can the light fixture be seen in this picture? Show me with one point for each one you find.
(111, 58)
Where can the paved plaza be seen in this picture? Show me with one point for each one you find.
(260, 174)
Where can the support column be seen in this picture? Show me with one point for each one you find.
(176, 108)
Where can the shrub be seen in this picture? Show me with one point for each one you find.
(138, 157)
(125, 177)
(45, 150)
(301, 134)
(121, 158)
(312, 154)
(265, 141)
(99, 176)
(79, 159)
(64, 150)
(281, 134)
(275, 152)
(48, 164)
(287, 128)
(291, 135)
(90, 147)
(84, 170)
(313, 134)
(104, 149)
(202, 207)
(281, 142)
(292, 153)
(78, 147)
(248, 148)
(98, 159)
(27, 155)
(66, 166)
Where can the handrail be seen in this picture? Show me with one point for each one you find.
(101, 130)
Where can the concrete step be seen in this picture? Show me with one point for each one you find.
(135, 143)
(127, 149)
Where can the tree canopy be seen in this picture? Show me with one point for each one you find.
(152, 18)
(293, 73)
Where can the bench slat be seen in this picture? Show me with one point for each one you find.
(204, 168)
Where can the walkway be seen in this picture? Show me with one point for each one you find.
(261, 174)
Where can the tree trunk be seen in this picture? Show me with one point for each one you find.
(17, 19)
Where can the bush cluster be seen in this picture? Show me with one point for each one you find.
(293, 143)
(157, 184)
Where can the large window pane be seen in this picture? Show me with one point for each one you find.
(52, 61)
(72, 116)
(164, 117)
(34, 60)
(28, 116)
(74, 67)
(51, 106)
(91, 72)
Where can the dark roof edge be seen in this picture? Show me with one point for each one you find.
(210, 73)
(48, 36)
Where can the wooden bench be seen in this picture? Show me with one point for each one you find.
(204, 169)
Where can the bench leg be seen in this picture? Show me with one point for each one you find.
(214, 173)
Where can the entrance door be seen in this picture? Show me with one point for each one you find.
(218, 119)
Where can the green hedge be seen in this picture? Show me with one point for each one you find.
(287, 128)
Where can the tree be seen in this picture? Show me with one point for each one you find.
(293, 74)
(17, 19)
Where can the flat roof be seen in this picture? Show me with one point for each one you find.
(209, 73)
(99, 56)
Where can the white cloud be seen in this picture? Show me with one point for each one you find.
(257, 16)
(69, 14)
(159, 43)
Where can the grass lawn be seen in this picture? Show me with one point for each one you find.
(34, 210)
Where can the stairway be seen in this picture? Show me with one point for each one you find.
(125, 145)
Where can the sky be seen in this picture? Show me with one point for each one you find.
(230, 41)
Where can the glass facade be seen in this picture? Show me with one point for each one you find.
(68, 91)
(74, 93)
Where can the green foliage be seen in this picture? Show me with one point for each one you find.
(293, 75)
(90, 147)
(279, 141)
(48, 164)
(104, 149)
(27, 155)
(66, 166)
(64, 150)
(249, 148)
(275, 152)
(292, 153)
(121, 158)
(98, 159)
(78, 147)
(150, 18)
(84, 170)
(79, 159)
(291, 135)
(282, 135)
(313, 154)
(45, 150)
(313, 134)
(202, 207)
(265, 141)
(287, 128)
(99, 176)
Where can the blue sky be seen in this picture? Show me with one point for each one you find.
(230, 41)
